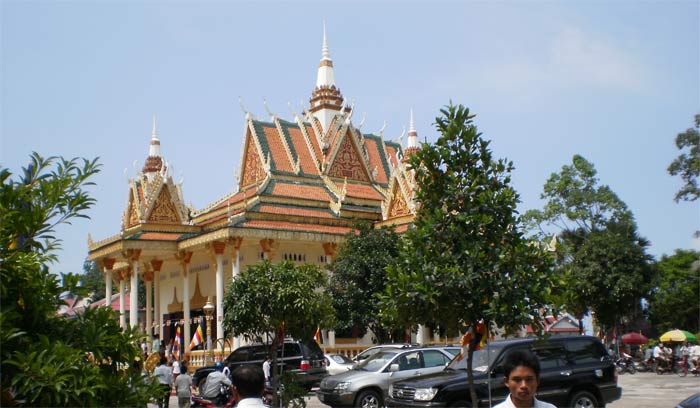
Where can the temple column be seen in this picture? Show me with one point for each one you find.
(148, 278)
(421, 335)
(185, 257)
(330, 249)
(156, 264)
(122, 302)
(107, 265)
(218, 249)
(269, 247)
(132, 256)
(235, 243)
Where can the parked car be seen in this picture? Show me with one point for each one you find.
(304, 358)
(375, 349)
(337, 363)
(691, 402)
(576, 371)
(367, 383)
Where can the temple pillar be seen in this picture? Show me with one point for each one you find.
(269, 247)
(156, 264)
(122, 302)
(185, 257)
(107, 265)
(218, 249)
(330, 250)
(235, 243)
(148, 278)
(132, 256)
(421, 336)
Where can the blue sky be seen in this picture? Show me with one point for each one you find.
(613, 81)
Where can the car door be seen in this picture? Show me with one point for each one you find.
(555, 373)
(433, 361)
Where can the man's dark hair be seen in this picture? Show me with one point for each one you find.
(524, 358)
(162, 361)
(249, 381)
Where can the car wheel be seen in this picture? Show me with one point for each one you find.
(368, 399)
(583, 399)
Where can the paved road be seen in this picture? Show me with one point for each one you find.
(641, 390)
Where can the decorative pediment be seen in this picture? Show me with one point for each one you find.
(132, 215)
(197, 301)
(163, 209)
(252, 170)
(398, 202)
(347, 161)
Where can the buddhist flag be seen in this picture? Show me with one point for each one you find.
(317, 335)
(177, 343)
(198, 337)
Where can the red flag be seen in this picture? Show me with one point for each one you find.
(317, 335)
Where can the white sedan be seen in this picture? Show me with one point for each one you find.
(337, 363)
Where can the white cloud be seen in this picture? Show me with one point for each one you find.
(596, 61)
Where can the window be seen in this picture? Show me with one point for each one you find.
(433, 358)
(239, 356)
(584, 351)
(550, 357)
(408, 361)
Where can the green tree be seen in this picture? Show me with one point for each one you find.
(271, 301)
(575, 201)
(465, 260)
(675, 303)
(93, 281)
(612, 273)
(48, 360)
(687, 164)
(358, 277)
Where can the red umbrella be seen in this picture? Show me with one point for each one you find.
(634, 338)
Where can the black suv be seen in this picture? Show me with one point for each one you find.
(575, 371)
(304, 358)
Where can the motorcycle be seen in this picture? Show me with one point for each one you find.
(683, 367)
(225, 399)
(625, 364)
(665, 366)
(644, 365)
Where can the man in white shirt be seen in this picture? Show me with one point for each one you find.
(215, 380)
(521, 374)
(165, 377)
(695, 357)
(266, 370)
(248, 386)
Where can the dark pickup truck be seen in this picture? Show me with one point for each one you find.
(575, 371)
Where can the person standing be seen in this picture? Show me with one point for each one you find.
(165, 377)
(521, 374)
(183, 387)
(176, 369)
(155, 346)
(266, 371)
(248, 386)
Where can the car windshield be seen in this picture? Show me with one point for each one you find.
(376, 361)
(481, 360)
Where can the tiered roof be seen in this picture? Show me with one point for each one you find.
(314, 174)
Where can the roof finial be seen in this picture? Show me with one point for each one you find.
(412, 143)
(154, 133)
(325, 55)
(412, 126)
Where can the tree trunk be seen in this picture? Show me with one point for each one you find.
(470, 377)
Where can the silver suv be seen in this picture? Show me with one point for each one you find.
(367, 383)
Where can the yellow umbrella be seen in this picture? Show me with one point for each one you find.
(677, 335)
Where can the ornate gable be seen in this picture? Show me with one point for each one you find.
(398, 205)
(131, 216)
(253, 170)
(348, 162)
(163, 209)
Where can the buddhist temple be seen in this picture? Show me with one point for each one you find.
(303, 182)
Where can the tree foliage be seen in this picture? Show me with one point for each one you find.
(612, 272)
(358, 277)
(687, 164)
(270, 301)
(49, 360)
(575, 201)
(465, 259)
(601, 261)
(93, 281)
(675, 303)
